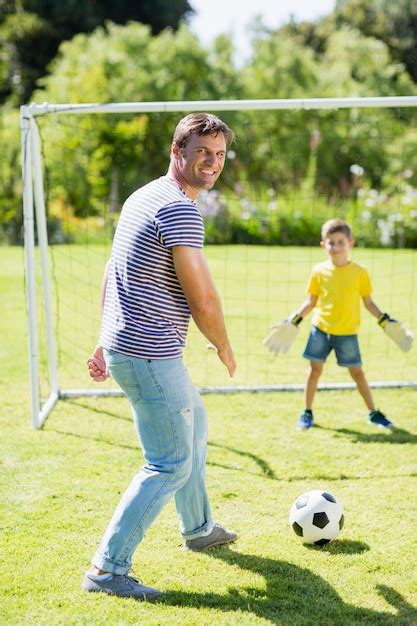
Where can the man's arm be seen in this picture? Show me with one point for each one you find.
(96, 363)
(204, 301)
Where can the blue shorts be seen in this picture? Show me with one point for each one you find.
(320, 344)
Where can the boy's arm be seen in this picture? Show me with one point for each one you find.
(371, 306)
(395, 330)
(283, 334)
(307, 306)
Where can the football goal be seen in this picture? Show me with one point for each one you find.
(295, 164)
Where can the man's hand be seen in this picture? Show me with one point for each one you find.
(97, 366)
(226, 356)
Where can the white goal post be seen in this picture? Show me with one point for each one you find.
(35, 230)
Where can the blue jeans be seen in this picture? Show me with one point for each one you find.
(171, 422)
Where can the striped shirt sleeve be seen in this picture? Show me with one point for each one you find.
(179, 224)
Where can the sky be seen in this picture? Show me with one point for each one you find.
(232, 16)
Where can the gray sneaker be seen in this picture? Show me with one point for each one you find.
(217, 537)
(120, 585)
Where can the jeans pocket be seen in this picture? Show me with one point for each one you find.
(123, 372)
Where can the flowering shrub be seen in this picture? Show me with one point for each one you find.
(261, 215)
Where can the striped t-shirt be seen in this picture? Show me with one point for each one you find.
(145, 312)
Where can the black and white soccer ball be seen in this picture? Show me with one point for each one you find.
(317, 517)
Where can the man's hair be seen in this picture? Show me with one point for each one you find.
(202, 124)
(335, 226)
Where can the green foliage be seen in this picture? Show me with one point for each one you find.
(32, 31)
(262, 216)
(351, 65)
(10, 177)
(92, 165)
(394, 23)
(105, 67)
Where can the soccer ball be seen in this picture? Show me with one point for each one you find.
(317, 517)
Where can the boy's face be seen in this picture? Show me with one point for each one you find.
(337, 245)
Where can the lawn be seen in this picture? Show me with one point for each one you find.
(60, 485)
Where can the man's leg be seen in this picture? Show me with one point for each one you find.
(161, 400)
(191, 500)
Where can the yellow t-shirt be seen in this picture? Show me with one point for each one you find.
(339, 291)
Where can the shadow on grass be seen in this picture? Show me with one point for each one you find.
(341, 546)
(100, 410)
(291, 595)
(263, 465)
(96, 439)
(266, 471)
(393, 435)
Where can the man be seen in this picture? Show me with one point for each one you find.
(156, 277)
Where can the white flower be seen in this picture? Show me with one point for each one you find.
(356, 170)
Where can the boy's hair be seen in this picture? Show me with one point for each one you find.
(335, 226)
(202, 124)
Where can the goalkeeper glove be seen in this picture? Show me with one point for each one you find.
(283, 334)
(400, 334)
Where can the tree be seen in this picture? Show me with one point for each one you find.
(111, 155)
(394, 23)
(350, 65)
(32, 30)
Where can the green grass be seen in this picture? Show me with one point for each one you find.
(60, 485)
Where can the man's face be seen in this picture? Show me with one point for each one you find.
(201, 161)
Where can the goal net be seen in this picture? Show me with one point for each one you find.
(295, 164)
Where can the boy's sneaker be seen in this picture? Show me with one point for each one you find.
(120, 585)
(379, 419)
(306, 420)
(218, 537)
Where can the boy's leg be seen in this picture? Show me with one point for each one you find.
(316, 369)
(375, 416)
(316, 351)
(358, 376)
(306, 420)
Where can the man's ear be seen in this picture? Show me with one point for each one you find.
(321, 244)
(175, 150)
(352, 243)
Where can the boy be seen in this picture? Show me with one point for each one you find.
(335, 289)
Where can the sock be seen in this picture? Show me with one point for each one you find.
(309, 411)
(101, 577)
